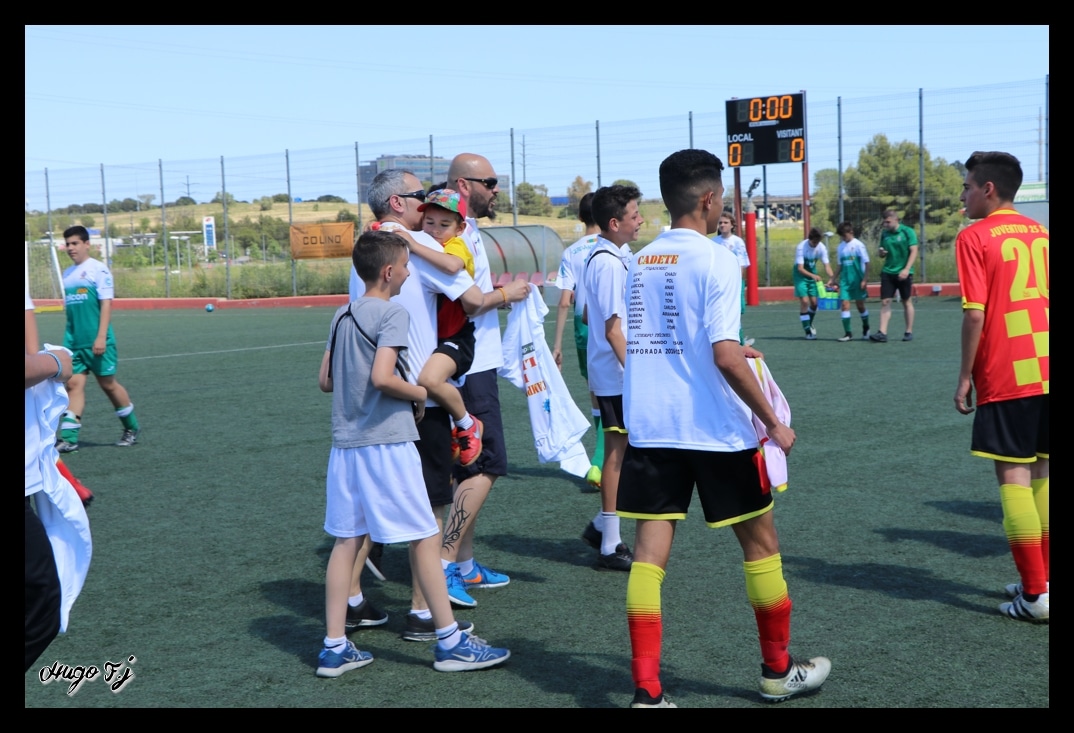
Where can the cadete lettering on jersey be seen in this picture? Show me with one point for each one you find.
(658, 259)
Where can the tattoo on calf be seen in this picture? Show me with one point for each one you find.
(456, 520)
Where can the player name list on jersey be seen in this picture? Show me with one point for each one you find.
(651, 315)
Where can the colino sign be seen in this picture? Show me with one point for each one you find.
(322, 241)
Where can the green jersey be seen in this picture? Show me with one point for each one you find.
(84, 287)
(898, 244)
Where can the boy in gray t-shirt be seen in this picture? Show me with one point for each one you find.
(375, 484)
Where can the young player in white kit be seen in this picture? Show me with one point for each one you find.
(688, 394)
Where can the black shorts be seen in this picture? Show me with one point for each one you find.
(42, 592)
(611, 414)
(434, 448)
(658, 483)
(481, 394)
(460, 347)
(890, 282)
(1015, 431)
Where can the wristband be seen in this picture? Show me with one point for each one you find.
(504, 294)
(59, 366)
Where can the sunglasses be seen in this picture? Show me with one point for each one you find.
(419, 195)
(489, 183)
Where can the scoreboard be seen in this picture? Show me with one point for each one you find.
(764, 130)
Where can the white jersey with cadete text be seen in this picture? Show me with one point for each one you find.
(683, 297)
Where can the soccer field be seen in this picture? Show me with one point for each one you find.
(209, 549)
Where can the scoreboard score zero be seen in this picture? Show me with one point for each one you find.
(763, 130)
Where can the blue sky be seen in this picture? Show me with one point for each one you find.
(134, 94)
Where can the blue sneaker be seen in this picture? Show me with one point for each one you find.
(482, 577)
(456, 587)
(333, 664)
(470, 653)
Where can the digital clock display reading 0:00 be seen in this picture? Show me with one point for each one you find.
(764, 130)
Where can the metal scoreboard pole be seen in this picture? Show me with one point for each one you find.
(805, 175)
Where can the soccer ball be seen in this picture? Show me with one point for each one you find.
(209, 307)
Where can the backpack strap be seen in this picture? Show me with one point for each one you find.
(401, 365)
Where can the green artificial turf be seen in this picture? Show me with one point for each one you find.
(209, 549)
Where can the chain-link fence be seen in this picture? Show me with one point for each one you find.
(863, 155)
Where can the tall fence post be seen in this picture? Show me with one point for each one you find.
(598, 153)
(514, 199)
(290, 222)
(839, 153)
(358, 176)
(432, 165)
(48, 209)
(921, 176)
(227, 229)
(107, 237)
(163, 212)
(1047, 141)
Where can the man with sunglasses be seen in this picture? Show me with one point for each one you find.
(475, 180)
(394, 197)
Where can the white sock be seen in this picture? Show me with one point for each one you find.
(609, 538)
(449, 636)
(466, 566)
(598, 521)
(424, 614)
(464, 422)
(355, 601)
(445, 563)
(335, 645)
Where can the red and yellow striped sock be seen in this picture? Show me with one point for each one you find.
(645, 624)
(767, 591)
(1040, 498)
(1022, 525)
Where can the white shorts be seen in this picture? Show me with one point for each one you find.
(378, 490)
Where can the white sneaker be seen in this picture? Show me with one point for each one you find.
(801, 677)
(1022, 610)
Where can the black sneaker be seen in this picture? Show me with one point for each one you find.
(364, 614)
(129, 438)
(908, 336)
(621, 559)
(423, 629)
(643, 700)
(591, 536)
(879, 337)
(63, 446)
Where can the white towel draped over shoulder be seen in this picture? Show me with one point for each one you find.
(774, 457)
(558, 425)
(57, 502)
